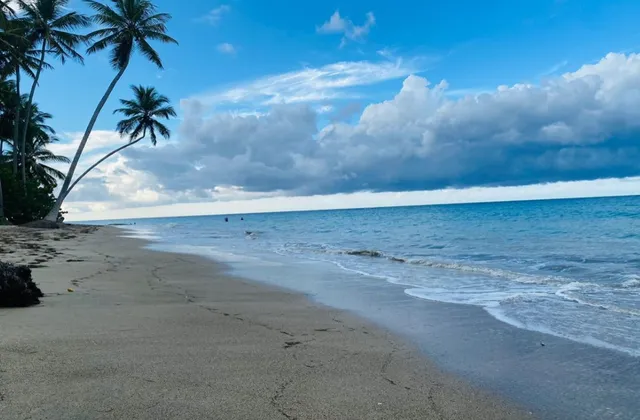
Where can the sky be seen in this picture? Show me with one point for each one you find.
(289, 105)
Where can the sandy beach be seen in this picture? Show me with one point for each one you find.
(146, 334)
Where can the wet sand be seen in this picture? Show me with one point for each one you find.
(147, 334)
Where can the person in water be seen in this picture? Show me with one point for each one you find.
(226, 219)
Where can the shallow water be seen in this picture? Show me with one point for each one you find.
(569, 268)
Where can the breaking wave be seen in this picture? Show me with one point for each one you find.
(445, 265)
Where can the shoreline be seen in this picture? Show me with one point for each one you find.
(551, 376)
(149, 334)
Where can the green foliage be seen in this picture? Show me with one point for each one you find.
(49, 23)
(143, 112)
(30, 32)
(20, 208)
(126, 26)
(39, 136)
(143, 117)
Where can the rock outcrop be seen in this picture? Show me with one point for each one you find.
(17, 288)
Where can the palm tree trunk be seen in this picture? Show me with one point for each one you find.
(2, 221)
(107, 156)
(53, 214)
(23, 143)
(16, 123)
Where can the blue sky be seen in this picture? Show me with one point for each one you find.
(300, 77)
(473, 45)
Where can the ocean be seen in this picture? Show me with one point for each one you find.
(537, 301)
(568, 268)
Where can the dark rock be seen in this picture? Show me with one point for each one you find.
(365, 253)
(17, 288)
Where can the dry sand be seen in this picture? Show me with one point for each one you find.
(150, 335)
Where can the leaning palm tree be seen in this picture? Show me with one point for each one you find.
(50, 27)
(127, 26)
(142, 114)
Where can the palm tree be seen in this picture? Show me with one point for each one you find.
(38, 156)
(127, 26)
(142, 118)
(16, 58)
(40, 135)
(7, 89)
(6, 12)
(2, 218)
(49, 26)
(7, 97)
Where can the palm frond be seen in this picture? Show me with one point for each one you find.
(121, 52)
(53, 172)
(165, 112)
(137, 131)
(126, 126)
(103, 43)
(143, 112)
(49, 24)
(44, 155)
(162, 129)
(128, 25)
(105, 15)
(152, 134)
(71, 21)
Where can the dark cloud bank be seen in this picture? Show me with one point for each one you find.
(583, 125)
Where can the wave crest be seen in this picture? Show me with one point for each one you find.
(486, 271)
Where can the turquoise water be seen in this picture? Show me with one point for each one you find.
(569, 268)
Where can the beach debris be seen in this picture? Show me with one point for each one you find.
(289, 344)
(42, 224)
(365, 253)
(17, 288)
(251, 234)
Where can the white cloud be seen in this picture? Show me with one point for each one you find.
(335, 25)
(100, 142)
(554, 69)
(15, 6)
(359, 32)
(580, 126)
(350, 31)
(115, 185)
(309, 84)
(387, 53)
(215, 16)
(237, 204)
(458, 93)
(226, 48)
(324, 109)
(99, 139)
